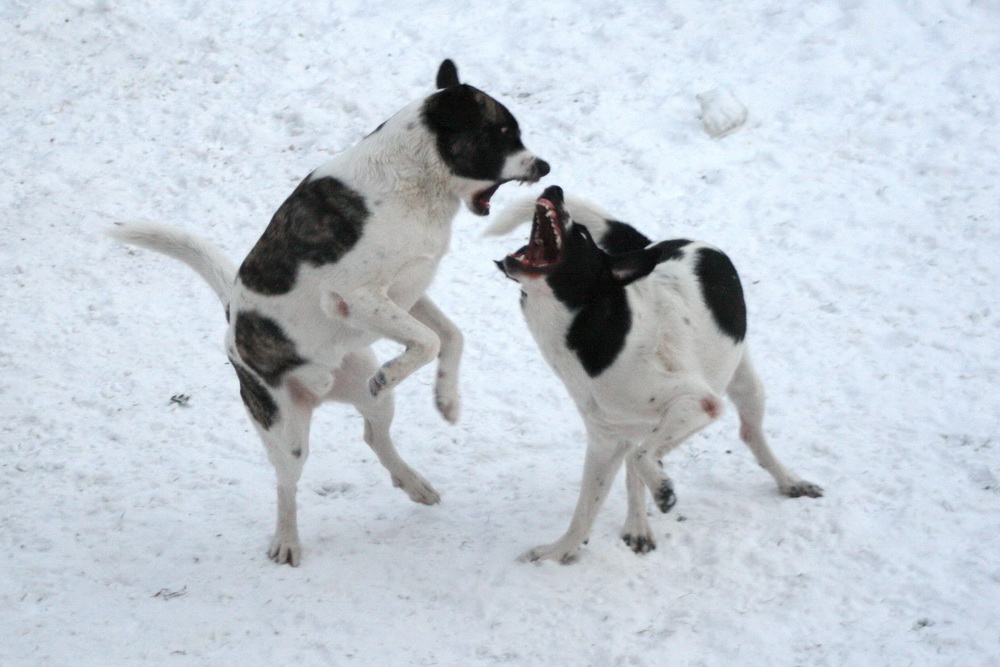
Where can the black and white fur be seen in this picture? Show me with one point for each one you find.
(345, 261)
(647, 337)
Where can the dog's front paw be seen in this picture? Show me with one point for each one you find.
(378, 383)
(640, 543)
(417, 488)
(555, 552)
(800, 488)
(285, 550)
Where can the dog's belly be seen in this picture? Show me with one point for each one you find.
(323, 339)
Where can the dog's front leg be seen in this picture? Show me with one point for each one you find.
(636, 533)
(446, 387)
(604, 456)
(375, 312)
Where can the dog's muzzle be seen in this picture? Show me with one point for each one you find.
(539, 169)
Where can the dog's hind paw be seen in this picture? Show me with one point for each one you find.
(377, 383)
(665, 498)
(640, 544)
(449, 409)
(284, 551)
(416, 487)
(800, 488)
(446, 396)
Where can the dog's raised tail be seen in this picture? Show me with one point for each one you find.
(521, 211)
(210, 263)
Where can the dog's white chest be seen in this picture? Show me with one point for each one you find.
(549, 321)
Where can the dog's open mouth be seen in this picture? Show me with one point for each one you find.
(480, 202)
(545, 245)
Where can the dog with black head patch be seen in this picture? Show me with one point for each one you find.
(647, 337)
(345, 261)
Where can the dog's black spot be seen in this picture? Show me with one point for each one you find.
(622, 237)
(318, 223)
(264, 347)
(258, 400)
(475, 133)
(598, 332)
(723, 294)
(297, 453)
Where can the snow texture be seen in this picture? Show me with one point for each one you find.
(860, 202)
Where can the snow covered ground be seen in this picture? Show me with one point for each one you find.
(860, 201)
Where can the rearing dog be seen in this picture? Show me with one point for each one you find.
(646, 338)
(345, 261)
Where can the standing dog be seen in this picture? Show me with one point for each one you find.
(646, 338)
(346, 261)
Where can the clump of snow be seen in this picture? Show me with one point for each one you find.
(860, 206)
(721, 112)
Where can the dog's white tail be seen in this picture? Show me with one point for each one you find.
(583, 212)
(217, 270)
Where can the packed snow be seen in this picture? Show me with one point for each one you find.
(858, 194)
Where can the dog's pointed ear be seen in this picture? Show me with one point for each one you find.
(447, 74)
(631, 266)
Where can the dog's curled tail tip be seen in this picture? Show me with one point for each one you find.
(511, 217)
(137, 233)
(205, 258)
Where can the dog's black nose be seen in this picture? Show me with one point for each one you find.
(541, 167)
(554, 194)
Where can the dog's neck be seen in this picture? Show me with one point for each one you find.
(401, 158)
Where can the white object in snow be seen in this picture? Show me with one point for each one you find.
(721, 112)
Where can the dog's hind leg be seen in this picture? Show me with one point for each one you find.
(604, 456)
(378, 314)
(688, 406)
(446, 386)
(747, 394)
(281, 417)
(351, 386)
(636, 533)
(287, 444)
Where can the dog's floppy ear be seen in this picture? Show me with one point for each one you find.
(447, 74)
(631, 266)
